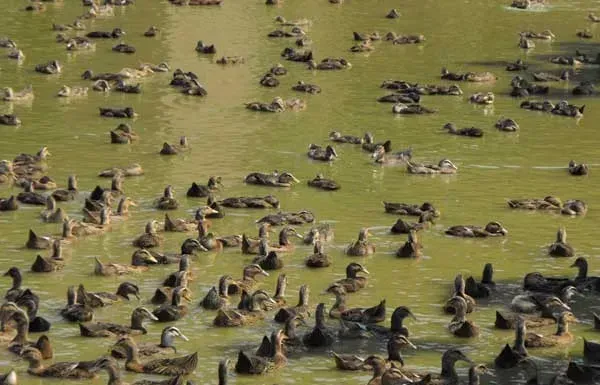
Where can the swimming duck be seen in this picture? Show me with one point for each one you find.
(482, 98)
(179, 225)
(348, 361)
(123, 207)
(284, 218)
(459, 325)
(318, 258)
(201, 191)
(574, 207)
(54, 263)
(326, 154)
(321, 232)
(585, 88)
(292, 23)
(102, 298)
(547, 303)
(328, 64)
(5, 42)
(57, 370)
(393, 14)
(114, 34)
(305, 87)
(518, 65)
(50, 68)
(409, 39)
(68, 194)
(337, 136)
(371, 315)
(174, 311)
(205, 2)
(277, 105)
(561, 337)
(248, 279)
(205, 48)
(468, 131)
(163, 366)
(582, 280)
(591, 351)
(481, 289)
(396, 323)
(320, 335)
(101, 85)
(411, 109)
(106, 329)
(9, 120)
(381, 156)
(363, 46)
(361, 247)
(403, 227)
(268, 201)
(406, 98)
(563, 108)
(36, 242)
(29, 196)
(283, 315)
(121, 86)
(80, 44)
(366, 36)
(9, 204)
(170, 149)
(226, 60)
(167, 201)
(152, 31)
(274, 179)
(546, 203)
(269, 80)
(561, 248)
(74, 311)
(120, 269)
(444, 166)
(507, 124)
(207, 239)
(412, 248)
(353, 282)
(369, 144)
(10, 311)
(124, 48)
(217, 298)
(578, 168)
(526, 43)
(271, 360)
(23, 95)
(148, 349)
(249, 310)
(126, 112)
(492, 229)
(269, 261)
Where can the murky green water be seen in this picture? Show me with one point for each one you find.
(230, 141)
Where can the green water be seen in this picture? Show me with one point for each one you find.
(229, 141)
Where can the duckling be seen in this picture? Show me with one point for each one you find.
(492, 229)
(561, 248)
(321, 335)
(9, 120)
(217, 298)
(30, 197)
(283, 315)
(169, 149)
(469, 131)
(120, 269)
(54, 263)
(49, 68)
(163, 366)
(148, 349)
(102, 298)
(445, 166)
(353, 283)
(248, 279)
(105, 329)
(578, 168)
(412, 248)
(9, 204)
(124, 48)
(174, 311)
(68, 194)
(249, 310)
(274, 179)
(561, 337)
(318, 258)
(167, 201)
(114, 34)
(459, 325)
(57, 370)
(411, 109)
(361, 247)
(481, 289)
(76, 312)
(23, 95)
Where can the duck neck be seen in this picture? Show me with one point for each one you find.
(519, 345)
(562, 327)
(397, 323)
(460, 313)
(133, 355)
(283, 238)
(176, 300)
(340, 302)
(222, 374)
(17, 280)
(202, 228)
(114, 376)
(378, 368)
(350, 272)
(122, 208)
(583, 270)
(473, 376)
(394, 353)
(280, 290)
(223, 288)
(448, 369)
(67, 229)
(488, 274)
(72, 184)
(320, 317)
(35, 363)
(22, 328)
(290, 329)
(136, 323)
(56, 250)
(255, 302)
(303, 297)
(167, 341)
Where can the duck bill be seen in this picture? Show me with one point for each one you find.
(295, 180)
(210, 210)
(362, 269)
(504, 231)
(132, 203)
(183, 337)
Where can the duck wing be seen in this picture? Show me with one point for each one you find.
(67, 370)
(247, 364)
(103, 329)
(172, 366)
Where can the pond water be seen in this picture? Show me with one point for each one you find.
(230, 141)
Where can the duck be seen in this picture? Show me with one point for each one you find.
(101, 85)
(102, 298)
(507, 124)
(124, 48)
(526, 43)
(480, 77)
(337, 136)
(10, 311)
(518, 65)
(393, 14)
(175, 311)
(126, 112)
(473, 132)
(170, 149)
(114, 34)
(68, 194)
(120, 269)
(270, 261)
(326, 154)
(225, 60)
(179, 225)
(268, 201)
(30, 197)
(320, 335)
(381, 156)
(123, 207)
(305, 87)
(284, 243)
(492, 229)
(121, 86)
(80, 44)
(80, 229)
(132, 170)
(444, 166)
(582, 280)
(411, 209)
(107, 329)
(74, 311)
(9, 204)
(561, 248)
(149, 238)
(547, 203)
(411, 109)
(249, 310)
(9, 120)
(274, 179)
(254, 364)
(364, 46)
(248, 280)
(321, 232)
(484, 288)
(361, 247)
(54, 263)
(217, 298)
(15, 291)
(284, 314)
(164, 366)
(202, 191)
(73, 370)
(284, 218)
(403, 227)
(459, 291)
(409, 39)
(459, 325)
(353, 283)
(37, 242)
(167, 201)
(318, 258)
(207, 239)
(563, 108)
(23, 95)
(269, 80)
(371, 315)
(561, 337)
(50, 68)
(148, 349)
(329, 64)
(277, 105)
(574, 207)
(396, 323)
(52, 214)
(547, 303)
(205, 48)
(578, 169)
(369, 144)
(482, 98)
(412, 248)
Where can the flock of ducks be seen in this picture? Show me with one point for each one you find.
(543, 303)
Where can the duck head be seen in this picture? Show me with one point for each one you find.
(203, 211)
(126, 289)
(446, 163)
(251, 271)
(495, 228)
(353, 268)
